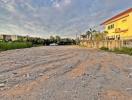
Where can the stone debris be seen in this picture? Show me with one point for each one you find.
(14, 73)
(41, 74)
(26, 75)
(130, 75)
(2, 85)
(128, 89)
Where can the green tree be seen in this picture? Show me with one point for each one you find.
(58, 39)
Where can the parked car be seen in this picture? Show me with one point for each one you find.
(53, 44)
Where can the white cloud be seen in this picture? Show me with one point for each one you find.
(61, 3)
(64, 17)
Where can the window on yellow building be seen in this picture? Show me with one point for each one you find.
(110, 26)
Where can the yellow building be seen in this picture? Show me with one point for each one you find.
(119, 26)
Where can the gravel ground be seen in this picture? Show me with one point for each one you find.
(64, 73)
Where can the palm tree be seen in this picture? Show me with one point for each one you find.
(90, 33)
(83, 36)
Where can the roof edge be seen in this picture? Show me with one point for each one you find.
(118, 15)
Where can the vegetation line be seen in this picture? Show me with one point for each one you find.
(123, 50)
(27, 42)
(14, 45)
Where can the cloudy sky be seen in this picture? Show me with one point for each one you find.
(56, 17)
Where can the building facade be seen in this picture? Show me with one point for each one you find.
(119, 27)
(1, 37)
(8, 37)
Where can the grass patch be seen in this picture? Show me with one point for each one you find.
(104, 48)
(123, 50)
(14, 45)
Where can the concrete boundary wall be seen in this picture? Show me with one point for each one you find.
(111, 44)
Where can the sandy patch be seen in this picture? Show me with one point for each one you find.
(25, 88)
(114, 95)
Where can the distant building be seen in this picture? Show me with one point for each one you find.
(119, 26)
(1, 37)
(9, 37)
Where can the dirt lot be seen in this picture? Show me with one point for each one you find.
(64, 73)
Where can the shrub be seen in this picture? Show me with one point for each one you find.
(14, 45)
(104, 48)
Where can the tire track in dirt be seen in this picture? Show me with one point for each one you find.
(30, 83)
(47, 67)
(41, 62)
(51, 62)
(71, 74)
